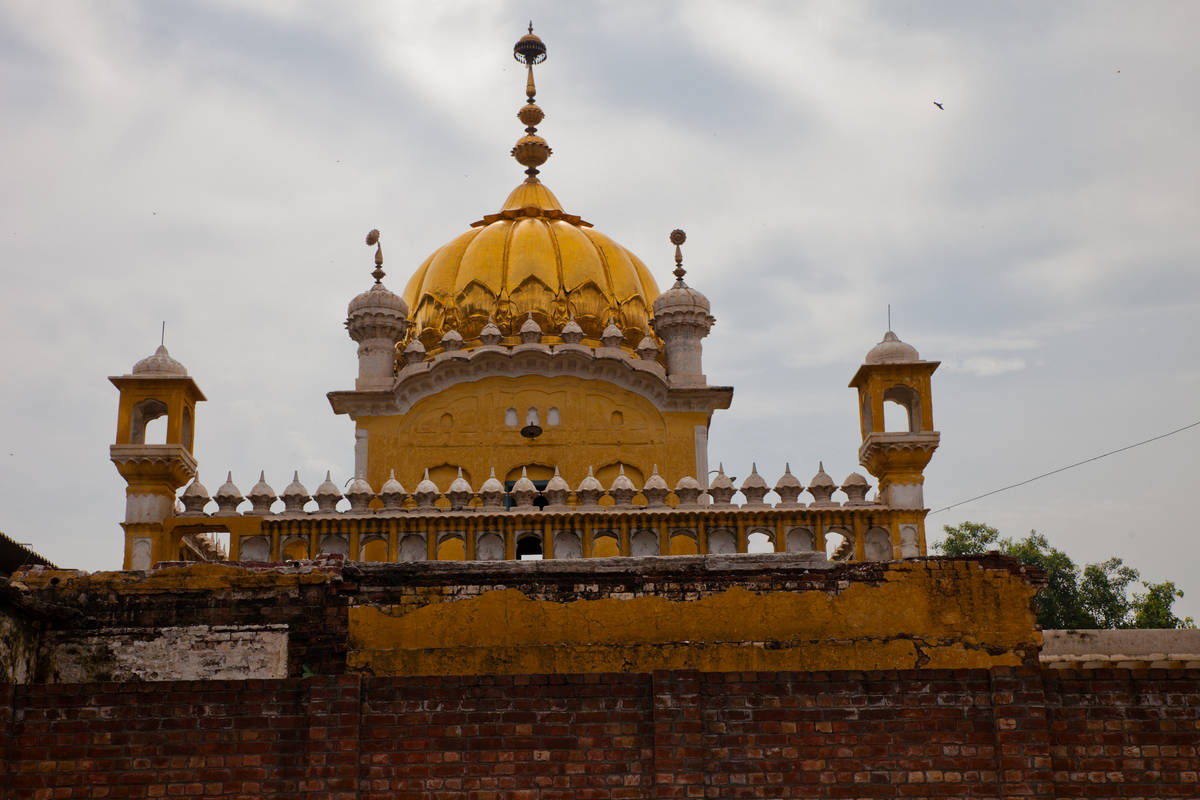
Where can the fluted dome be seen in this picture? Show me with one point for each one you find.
(160, 363)
(892, 351)
(531, 256)
(681, 298)
(378, 299)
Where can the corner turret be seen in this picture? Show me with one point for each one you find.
(157, 386)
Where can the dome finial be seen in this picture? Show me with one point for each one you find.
(678, 237)
(531, 150)
(373, 239)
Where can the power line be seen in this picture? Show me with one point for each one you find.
(1064, 469)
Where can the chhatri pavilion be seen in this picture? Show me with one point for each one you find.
(530, 394)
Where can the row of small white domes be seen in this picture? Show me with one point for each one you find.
(459, 494)
(531, 333)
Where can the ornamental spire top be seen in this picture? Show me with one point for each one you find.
(531, 150)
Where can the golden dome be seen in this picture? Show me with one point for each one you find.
(531, 257)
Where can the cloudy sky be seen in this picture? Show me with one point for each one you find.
(216, 165)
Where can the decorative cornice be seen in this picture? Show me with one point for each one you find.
(645, 377)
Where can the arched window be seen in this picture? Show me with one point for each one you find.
(683, 543)
(510, 418)
(144, 413)
(902, 409)
(760, 542)
(374, 548)
(567, 545)
(605, 545)
(412, 548)
(529, 547)
(552, 417)
(532, 418)
(451, 548)
(839, 546)
(721, 541)
(877, 545)
(643, 543)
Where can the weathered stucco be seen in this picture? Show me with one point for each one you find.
(188, 653)
(721, 613)
(18, 646)
(918, 614)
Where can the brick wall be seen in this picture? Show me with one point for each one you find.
(670, 734)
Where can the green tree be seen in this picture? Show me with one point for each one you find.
(1153, 609)
(1098, 596)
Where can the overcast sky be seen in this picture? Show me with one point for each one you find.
(216, 165)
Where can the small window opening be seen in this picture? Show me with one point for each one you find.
(838, 546)
(552, 418)
(759, 542)
(510, 418)
(529, 548)
(144, 413)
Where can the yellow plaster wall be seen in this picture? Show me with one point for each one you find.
(464, 425)
(935, 614)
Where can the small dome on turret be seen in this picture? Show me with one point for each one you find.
(492, 484)
(327, 494)
(680, 297)
(822, 478)
(195, 497)
(891, 351)
(612, 336)
(531, 332)
(379, 300)
(571, 332)
(459, 484)
(160, 363)
(491, 334)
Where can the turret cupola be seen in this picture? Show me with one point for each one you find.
(377, 319)
(682, 319)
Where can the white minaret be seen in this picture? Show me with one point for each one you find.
(681, 320)
(377, 320)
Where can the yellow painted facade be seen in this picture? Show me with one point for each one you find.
(468, 425)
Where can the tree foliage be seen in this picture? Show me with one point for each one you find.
(1097, 596)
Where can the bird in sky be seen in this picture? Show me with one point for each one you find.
(939, 105)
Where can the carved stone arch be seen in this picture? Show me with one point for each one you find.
(877, 545)
(909, 399)
(683, 542)
(839, 543)
(567, 544)
(143, 413)
(643, 543)
(412, 548)
(254, 548)
(761, 540)
(373, 547)
(489, 546)
(722, 541)
(334, 544)
(800, 540)
(605, 544)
